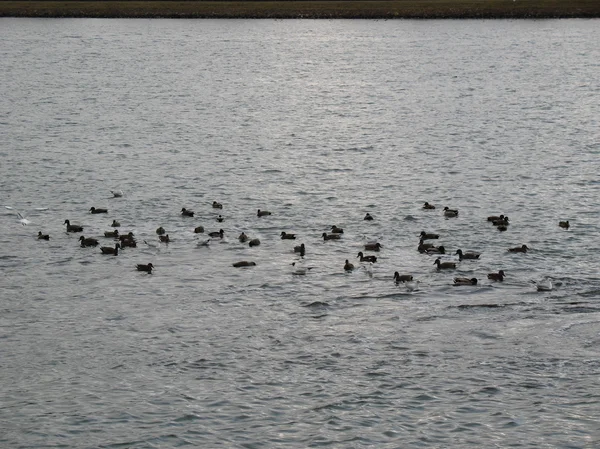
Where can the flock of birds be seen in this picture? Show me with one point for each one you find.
(501, 222)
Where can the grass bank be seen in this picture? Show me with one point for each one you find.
(326, 9)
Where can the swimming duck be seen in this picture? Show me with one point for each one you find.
(220, 219)
(300, 249)
(113, 234)
(145, 267)
(43, 236)
(218, 233)
(300, 270)
(450, 212)
(160, 231)
(348, 266)
(402, 277)
(373, 246)
(254, 242)
(285, 236)
(128, 236)
(216, 205)
(502, 228)
(262, 213)
(115, 224)
(110, 251)
(495, 217)
(244, 263)
(164, 238)
(98, 210)
(499, 276)
(73, 228)
(436, 250)
(368, 217)
(501, 222)
(331, 236)
(424, 246)
(88, 242)
(564, 224)
(198, 229)
(336, 230)
(243, 238)
(467, 255)
(425, 236)
(428, 206)
(465, 281)
(186, 213)
(444, 265)
(364, 258)
(519, 249)
(128, 243)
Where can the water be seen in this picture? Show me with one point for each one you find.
(319, 122)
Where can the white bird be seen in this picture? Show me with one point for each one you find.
(203, 243)
(24, 221)
(300, 270)
(544, 285)
(117, 193)
(412, 286)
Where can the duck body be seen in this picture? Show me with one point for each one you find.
(402, 277)
(98, 210)
(499, 276)
(198, 229)
(115, 224)
(217, 205)
(444, 265)
(564, 224)
(519, 249)
(368, 217)
(164, 238)
(88, 242)
(348, 266)
(450, 212)
(220, 219)
(300, 249)
(218, 234)
(467, 255)
(336, 230)
(244, 263)
(286, 236)
(423, 247)
(187, 213)
(428, 236)
(465, 281)
(243, 238)
(112, 234)
(436, 250)
(73, 227)
(364, 258)
(145, 267)
(501, 222)
(107, 250)
(262, 213)
(331, 236)
(160, 231)
(254, 242)
(41, 236)
(495, 217)
(428, 206)
(373, 246)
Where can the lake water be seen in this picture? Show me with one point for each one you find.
(318, 122)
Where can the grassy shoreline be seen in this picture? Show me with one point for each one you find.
(324, 9)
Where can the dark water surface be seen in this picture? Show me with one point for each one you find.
(318, 122)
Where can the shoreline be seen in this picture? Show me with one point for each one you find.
(289, 9)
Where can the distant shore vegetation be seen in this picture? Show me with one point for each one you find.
(292, 9)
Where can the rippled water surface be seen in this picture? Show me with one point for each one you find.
(319, 122)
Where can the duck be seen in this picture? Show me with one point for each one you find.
(112, 234)
(145, 267)
(186, 213)
(98, 210)
(285, 236)
(402, 277)
(218, 233)
(499, 276)
(73, 228)
(217, 205)
(519, 249)
(244, 263)
(331, 236)
(198, 229)
(444, 265)
(254, 242)
(164, 238)
(465, 281)
(115, 224)
(336, 230)
(364, 258)
(88, 242)
(41, 236)
(348, 266)
(220, 219)
(300, 249)
(564, 224)
(110, 251)
(128, 243)
(243, 238)
(502, 228)
(160, 231)
(424, 246)
(128, 236)
(262, 213)
(427, 236)
(501, 222)
(373, 246)
(428, 206)
(467, 255)
(368, 217)
(495, 217)
(300, 270)
(450, 212)
(436, 250)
